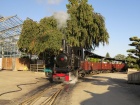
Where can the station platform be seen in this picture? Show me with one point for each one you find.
(15, 84)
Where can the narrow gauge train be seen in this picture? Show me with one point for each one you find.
(67, 63)
(71, 63)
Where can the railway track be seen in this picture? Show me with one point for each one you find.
(45, 97)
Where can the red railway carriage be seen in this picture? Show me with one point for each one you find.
(97, 67)
(105, 67)
(86, 65)
(118, 67)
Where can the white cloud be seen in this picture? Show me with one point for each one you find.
(53, 2)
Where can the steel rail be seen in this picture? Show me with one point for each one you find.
(45, 97)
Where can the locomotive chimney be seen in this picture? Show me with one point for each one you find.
(64, 45)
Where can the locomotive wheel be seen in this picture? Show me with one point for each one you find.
(51, 79)
(93, 73)
(82, 74)
(48, 74)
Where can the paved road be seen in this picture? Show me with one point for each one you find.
(106, 89)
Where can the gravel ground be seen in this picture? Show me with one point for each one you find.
(15, 84)
(102, 89)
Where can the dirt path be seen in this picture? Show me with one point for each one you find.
(101, 89)
(16, 84)
(105, 89)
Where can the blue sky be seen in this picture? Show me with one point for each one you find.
(122, 18)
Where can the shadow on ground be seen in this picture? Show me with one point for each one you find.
(119, 92)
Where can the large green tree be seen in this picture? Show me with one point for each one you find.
(37, 38)
(27, 39)
(134, 54)
(107, 55)
(85, 28)
(49, 39)
(120, 57)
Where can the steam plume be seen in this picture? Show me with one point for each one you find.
(61, 18)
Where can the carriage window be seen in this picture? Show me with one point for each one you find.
(79, 52)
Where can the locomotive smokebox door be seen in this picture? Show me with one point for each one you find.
(62, 60)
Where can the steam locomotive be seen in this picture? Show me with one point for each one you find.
(67, 63)
(71, 63)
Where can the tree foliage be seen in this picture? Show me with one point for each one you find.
(120, 57)
(134, 54)
(50, 37)
(131, 61)
(94, 59)
(107, 55)
(85, 27)
(30, 30)
(37, 38)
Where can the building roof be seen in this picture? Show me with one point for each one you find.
(93, 55)
(10, 27)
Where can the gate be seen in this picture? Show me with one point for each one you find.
(7, 63)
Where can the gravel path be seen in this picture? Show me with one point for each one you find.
(101, 89)
(104, 89)
(15, 84)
